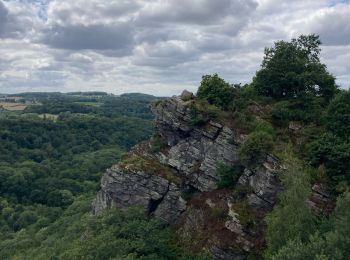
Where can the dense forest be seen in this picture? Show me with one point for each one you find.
(50, 168)
(51, 165)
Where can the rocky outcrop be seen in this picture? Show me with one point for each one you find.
(156, 195)
(184, 161)
(321, 201)
(186, 95)
(195, 151)
(198, 152)
(173, 119)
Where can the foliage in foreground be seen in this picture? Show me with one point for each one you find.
(331, 241)
(78, 235)
(332, 147)
(291, 217)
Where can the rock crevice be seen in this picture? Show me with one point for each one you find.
(156, 195)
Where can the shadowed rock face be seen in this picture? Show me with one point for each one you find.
(193, 155)
(321, 201)
(157, 196)
(264, 182)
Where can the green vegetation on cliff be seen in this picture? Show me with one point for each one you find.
(294, 93)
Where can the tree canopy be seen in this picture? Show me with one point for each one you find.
(338, 115)
(216, 91)
(330, 242)
(293, 69)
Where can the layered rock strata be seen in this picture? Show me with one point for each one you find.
(186, 164)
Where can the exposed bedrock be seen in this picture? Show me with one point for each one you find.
(185, 164)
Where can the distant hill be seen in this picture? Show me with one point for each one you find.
(140, 96)
(88, 93)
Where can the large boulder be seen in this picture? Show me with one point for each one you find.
(186, 95)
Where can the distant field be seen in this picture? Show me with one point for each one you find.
(12, 106)
(94, 104)
(49, 116)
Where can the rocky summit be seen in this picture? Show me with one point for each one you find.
(175, 177)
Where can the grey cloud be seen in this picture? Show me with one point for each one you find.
(333, 25)
(215, 42)
(337, 60)
(103, 26)
(3, 14)
(9, 25)
(67, 12)
(37, 81)
(283, 7)
(82, 63)
(3, 19)
(164, 54)
(200, 12)
(116, 37)
(120, 7)
(163, 33)
(151, 24)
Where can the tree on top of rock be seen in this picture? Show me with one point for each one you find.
(293, 69)
(216, 91)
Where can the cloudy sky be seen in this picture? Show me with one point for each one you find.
(157, 46)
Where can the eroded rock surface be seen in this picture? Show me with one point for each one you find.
(219, 223)
(226, 224)
(264, 183)
(195, 151)
(156, 195)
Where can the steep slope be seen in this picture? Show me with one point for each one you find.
(175, 176)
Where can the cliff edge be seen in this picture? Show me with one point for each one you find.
(175, 176)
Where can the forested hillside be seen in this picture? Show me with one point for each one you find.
(53, 154)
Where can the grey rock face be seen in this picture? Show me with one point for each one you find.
(234, 225)
(264, 182)
(195, 151)
(154, 194)
(186, 95)
(198, 152)
(173, 119)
